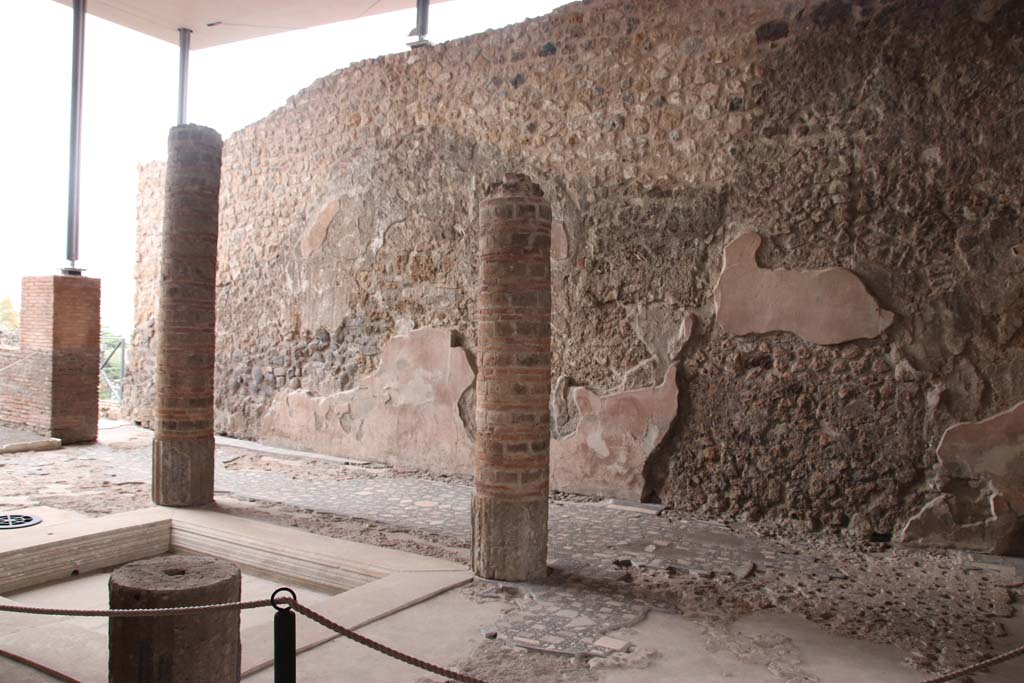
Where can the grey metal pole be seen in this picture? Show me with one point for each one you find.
(75, 156)
(422, 10)
(184, 40)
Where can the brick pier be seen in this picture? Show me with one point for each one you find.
(51, 383)
(510, 497)
(183, 415)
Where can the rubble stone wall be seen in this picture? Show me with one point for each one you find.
(873, 146)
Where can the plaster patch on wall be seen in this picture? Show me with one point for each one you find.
(982, 503)
(615, 435)
(406, 413)
(316, 234)
(827, 306)
(991, 449)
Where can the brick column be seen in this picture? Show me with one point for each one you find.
(510, 497)
(183, 416)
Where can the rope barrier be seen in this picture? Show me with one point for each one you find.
(31, 354)
(947, 677)
(992, 661)
(383, 649)
(253, 604)
(152, 612)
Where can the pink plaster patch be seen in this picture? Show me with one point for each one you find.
(616, 434)
(827, 306)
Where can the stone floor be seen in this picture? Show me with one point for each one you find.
(15, 440)
(609, 558)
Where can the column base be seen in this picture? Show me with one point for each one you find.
(510, 539)
(183, 471)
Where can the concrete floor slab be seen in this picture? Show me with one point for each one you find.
(14, 672)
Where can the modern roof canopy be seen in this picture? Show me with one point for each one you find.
(217, 22)
(193, 25)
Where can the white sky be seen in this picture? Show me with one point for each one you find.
(130, 101)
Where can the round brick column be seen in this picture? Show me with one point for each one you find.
(201, 647)
(183, 416)
(510, 497)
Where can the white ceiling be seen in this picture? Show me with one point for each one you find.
(239, 19)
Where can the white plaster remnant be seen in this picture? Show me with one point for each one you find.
(614, 437)
(828, 306)
(406, 413)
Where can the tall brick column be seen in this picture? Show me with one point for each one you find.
(183, 416)
(510, 497)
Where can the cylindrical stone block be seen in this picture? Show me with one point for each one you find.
(199, 647)
(510, 496)
(183, 415)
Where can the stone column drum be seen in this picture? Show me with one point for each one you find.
(183, 416)
(510, 497)
(199, 647)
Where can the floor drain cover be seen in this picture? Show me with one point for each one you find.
(18, 521)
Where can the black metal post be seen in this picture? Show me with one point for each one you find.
(420, 30)
(284, 639)
(184, 41)
(75, 156)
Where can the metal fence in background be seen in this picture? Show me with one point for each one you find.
(112, 366)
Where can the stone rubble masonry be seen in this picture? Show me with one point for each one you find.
(51, 384)
(660, 131)
(183, 424)
(139, 393)
(510, 496)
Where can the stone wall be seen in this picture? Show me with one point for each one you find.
(139, 391)
(861, 160)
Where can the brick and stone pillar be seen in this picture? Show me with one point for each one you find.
(183, 415)
(510, 497)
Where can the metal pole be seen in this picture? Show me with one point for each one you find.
(184, 40)
(284, 639)
(422, 9)
(75, 156)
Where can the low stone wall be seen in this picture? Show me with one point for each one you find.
(778, 276)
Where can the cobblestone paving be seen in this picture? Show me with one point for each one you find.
(590, 544)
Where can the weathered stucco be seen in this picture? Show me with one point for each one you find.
(660, 131)
(829, 306)
(981, 506)
(405, 413)
(605, 455)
